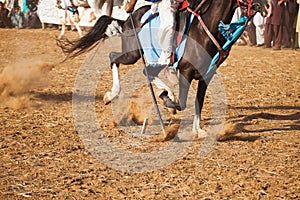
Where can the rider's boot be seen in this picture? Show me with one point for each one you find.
(168, 102)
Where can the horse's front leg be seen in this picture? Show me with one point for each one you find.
(201, 90)
(116, 88)
(185, 80)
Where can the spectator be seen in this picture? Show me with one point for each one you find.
(17, 17)
(244, 38)
(4, 20)
(259, 22)
(286, 32)
(32, 18)
(10, 4)
(293, 11)
(251, 32)
(298, 24)
(274, 26)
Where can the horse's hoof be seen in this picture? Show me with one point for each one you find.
(59, 37)
(201, 134)
(107, 98)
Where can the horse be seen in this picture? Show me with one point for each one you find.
(203, 33)
(99, 8)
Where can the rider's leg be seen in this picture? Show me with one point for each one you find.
(166, 81)
(167, 10)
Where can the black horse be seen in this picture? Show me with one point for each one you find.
(208, 14)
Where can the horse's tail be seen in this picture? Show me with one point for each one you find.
(104, 27)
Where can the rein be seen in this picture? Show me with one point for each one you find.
(223, 53)
(196, 14)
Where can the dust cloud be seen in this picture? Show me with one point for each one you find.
(19, 79)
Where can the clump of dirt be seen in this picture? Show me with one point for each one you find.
(137, 114)
(18, 79)
(230, 129)
(168, 134)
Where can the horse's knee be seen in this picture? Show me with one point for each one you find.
(113, 56)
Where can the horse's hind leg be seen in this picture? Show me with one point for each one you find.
(130, 54)
(117, 59)
(115, 90)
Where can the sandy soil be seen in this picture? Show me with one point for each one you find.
(42, 155)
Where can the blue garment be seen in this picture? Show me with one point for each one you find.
(150, 39)
(24, 6)
(232, 30)
(231, 33)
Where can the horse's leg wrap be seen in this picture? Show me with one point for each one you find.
(196, 127)
(201, 90)
(115, 90)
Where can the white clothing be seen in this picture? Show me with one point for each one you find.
(65, 4)
(298, 24)
(9, 4)
(167, 11)
(237, 14)
(259, 23)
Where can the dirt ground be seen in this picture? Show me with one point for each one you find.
(42, 155)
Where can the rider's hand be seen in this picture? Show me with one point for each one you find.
(129, 6)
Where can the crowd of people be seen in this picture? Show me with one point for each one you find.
(12, 16)
(280, 30)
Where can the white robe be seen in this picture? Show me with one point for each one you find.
(298, 24)
(259, 23)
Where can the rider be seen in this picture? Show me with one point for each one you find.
(167, 10)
